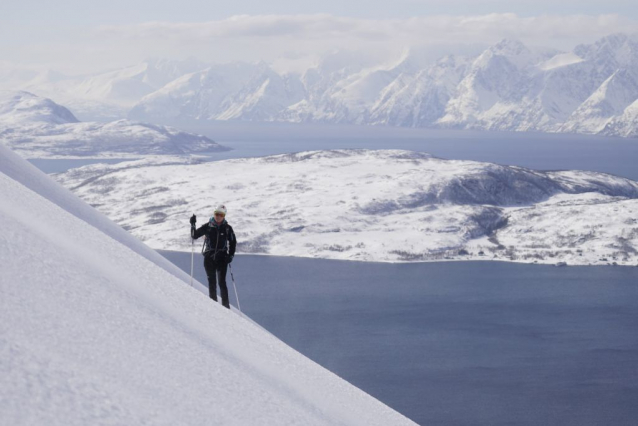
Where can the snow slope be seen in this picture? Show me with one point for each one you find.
(38, 127)
(374, 206)
(96, 331)
(32, 178)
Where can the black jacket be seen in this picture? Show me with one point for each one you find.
(220, 240)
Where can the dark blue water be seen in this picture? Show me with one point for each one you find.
(50, 165)
(534, 150)
(459, 343)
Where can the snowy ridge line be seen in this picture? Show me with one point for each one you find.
(385, 205)
(102, 335)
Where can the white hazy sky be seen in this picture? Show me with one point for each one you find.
(76, 36)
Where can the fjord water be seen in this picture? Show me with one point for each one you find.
(541, 151)
(458, 343)
(61, 165)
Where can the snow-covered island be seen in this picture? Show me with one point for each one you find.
(386, 205)
(37, 127)
(97, 328)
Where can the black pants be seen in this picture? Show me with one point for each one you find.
(216, 274)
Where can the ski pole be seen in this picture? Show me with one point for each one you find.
(235, 286)
(192, 256)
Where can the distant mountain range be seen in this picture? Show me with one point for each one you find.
(509, 86)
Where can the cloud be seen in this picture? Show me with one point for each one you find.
(246, 26)
(424, 29)
(272, 37)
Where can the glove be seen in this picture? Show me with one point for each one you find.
(230, 259)
(193, 220)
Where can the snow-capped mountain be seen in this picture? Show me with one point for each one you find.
(222, 92)
(511, 87)
(610, 100)
(419, 100)
(375, 206)
(38, 127)
(126, 86)
(97, 328)
(507, 87)
(109, 95)
(347, 94)
(495, 90)
(625, 124)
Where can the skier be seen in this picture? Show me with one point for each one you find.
(219, 250)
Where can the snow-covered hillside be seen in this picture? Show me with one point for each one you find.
(374, 206)
(23, 108)
(37, 127)
(95, 330)
(507, 87)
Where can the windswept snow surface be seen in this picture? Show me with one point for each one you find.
(29, 176)
(37, 127)
(374, 206)
(94, 331)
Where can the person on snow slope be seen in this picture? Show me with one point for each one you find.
(219, 249)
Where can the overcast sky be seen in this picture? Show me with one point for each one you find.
(76, 36)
